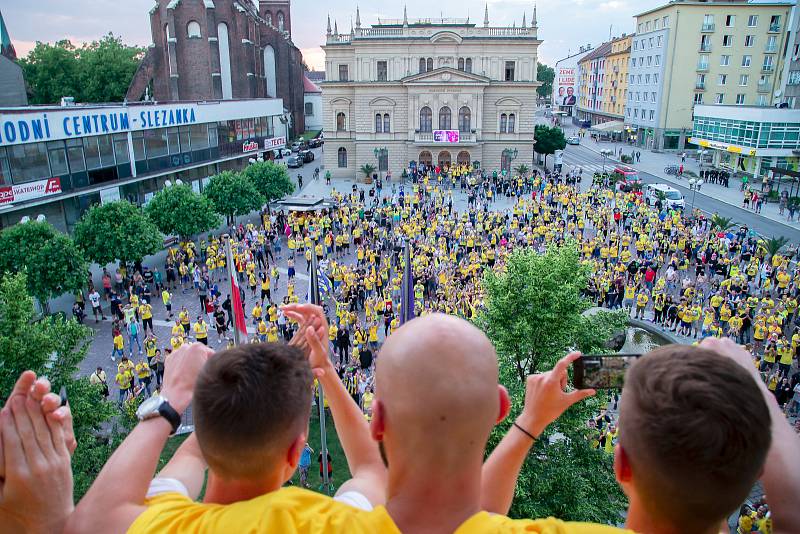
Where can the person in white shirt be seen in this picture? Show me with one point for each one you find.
(97, 310)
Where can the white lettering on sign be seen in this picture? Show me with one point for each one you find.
(249, 146)
(18, 193)
(274, 142)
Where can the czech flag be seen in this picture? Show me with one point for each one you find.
(239, 323)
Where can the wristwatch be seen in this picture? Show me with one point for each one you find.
(159, 406)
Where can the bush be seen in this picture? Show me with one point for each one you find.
(624, 158)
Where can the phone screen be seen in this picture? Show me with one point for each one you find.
(595, 371)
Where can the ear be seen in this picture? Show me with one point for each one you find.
(377, 425)
(505, 403)
(295, 450)
(622, 465)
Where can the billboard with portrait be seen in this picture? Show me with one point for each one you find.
(565, 83)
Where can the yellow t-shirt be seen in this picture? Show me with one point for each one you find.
(295, 510)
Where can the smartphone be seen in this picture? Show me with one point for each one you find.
(602, 371)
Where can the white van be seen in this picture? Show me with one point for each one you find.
(672, 197)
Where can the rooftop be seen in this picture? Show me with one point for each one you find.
(716, 4)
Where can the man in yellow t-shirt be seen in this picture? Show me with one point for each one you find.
(201, 330)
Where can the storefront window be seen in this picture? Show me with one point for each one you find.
(91, 152)
(106, 151)
(75, 155)
(121, 149)
(198, 136)
(5, 171)
(57, 155)
(28, 162)
(155, 142)
(138, 146)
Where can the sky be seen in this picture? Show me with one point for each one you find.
(564, 25)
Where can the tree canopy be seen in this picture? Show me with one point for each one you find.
(548, 139)
(533, 317)
(545, 75)
(53, 262)
(53, 346)
(100, 71)
(233, 194)
(178, 210)
(271, 180)
(117, 231)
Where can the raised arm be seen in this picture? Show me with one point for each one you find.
(363, 456)
(545, 400)
(117, 496)
(187, 466)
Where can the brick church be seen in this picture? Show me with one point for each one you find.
(220, 50)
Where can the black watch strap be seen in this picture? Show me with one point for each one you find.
(166, 411)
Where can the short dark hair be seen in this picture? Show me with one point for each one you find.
(250, 402)
(696, 428)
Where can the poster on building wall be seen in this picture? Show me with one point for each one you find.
(566, 78)
(11, 194)
(109, 194)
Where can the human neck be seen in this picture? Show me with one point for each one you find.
(640, 521)
(227, 491)
(450, 497)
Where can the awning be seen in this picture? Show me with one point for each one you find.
(609, 127)
(306, 203)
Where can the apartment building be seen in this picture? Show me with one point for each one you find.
(603, 75)
(687, 53)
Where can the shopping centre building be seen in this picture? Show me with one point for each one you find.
(57, 161)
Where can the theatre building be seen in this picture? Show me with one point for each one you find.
(435, 91)
(57, 161)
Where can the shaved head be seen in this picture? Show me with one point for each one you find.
(437, 384)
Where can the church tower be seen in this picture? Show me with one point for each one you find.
(277, 13)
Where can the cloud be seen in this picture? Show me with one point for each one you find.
(314, 57)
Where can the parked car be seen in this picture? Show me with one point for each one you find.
(307, 156)
(294, 161)
(315, 143)
(574, 140)
(296, 147)
(672, 198)
(282, 152)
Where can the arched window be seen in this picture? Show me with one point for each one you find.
(225, 60)
(461, 63)
(468, 65)
(511, 121)
(425, 120)
(386, 123)
(280, 20)
(268, 18)
(378, 123)
(503, 123)
(422, 64)
(464, 120)
(430, 64)
(340, 122)
(269, 71)
(342, 157)
(444, 118)
(193, 30)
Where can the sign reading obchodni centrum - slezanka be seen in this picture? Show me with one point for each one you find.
(36, 126)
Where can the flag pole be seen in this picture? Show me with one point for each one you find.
(315, 299)
(235, 295)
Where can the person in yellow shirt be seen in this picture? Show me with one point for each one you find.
(119, 346)
(124, 382)
(144, 374)
(641, 302)
(261, 331)
(146, 313)
(185, 320)
(201, 330)
(256, 313)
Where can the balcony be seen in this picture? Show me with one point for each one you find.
(705, 47)
(767, 68)
(707, 27)
(702, 67)
(763, 87)
(700, 86)
(774, 28)
(426, 138)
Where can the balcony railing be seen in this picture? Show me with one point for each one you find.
(763, 87)
(702, 66)
(774, 28)
(705, 47)
(427, 137)
(767, 68)
(707, 27)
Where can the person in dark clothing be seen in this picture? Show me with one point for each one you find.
(365, 359)
(343, 344)
(226, 305)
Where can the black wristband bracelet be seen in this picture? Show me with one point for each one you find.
(524, 431)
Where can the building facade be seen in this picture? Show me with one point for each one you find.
(790, 79)
(748, 139)
(313, 106)
(717, 52)
(221, 50)
(436, 91)
(13, 91)
(604, 82)
(57, 161)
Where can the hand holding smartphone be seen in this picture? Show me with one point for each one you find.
(602, 371)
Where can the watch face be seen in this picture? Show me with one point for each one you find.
(149, 407)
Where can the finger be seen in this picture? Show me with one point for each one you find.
(318, 372)
(40, 428)
(63, 415)
(12, 444)
(314, 342)
(579, 395)
(23, 384)
(564, 363)
(50, 403)
(39, 389)
(59, 438)
(33, 453)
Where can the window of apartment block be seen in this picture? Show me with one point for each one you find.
(658, 40)
(730, 21)
(794, 77)
(649, 60)
(727, 40)
(718, 98)
(724, 60)
(510, 65)
(740, 99)
(646, 78)
(647, 26)
(722, 80)
(382, 71)
(752, 21)
(343, 73)
(775, 23)
(749, 40)
(309, 108)
(705, 42)
(650, 42)
(666, 21)
(698, 98)
(746, 60)
(636, 45)
(762, 100)
(768, 63)
(708, 21)
(743, 79)
(636, 113)
(655, 78)
(652, 114)
(772, 44)
(657, 61)
(639, 78)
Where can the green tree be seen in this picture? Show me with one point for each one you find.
(545, 75)
(177, 210)
(53, 262)
(533, 316)
(773, 245)
(522, 169)
(53, 347)
(52, 71)
(723, 224)
(107, 67)
(367, 169)
(548, 139)
(117, 231)
(271, 180)
(233, 194)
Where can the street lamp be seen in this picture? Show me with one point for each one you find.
(694, 187)
(380, 153)
(605, 153)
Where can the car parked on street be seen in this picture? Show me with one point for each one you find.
(574, 140)
(282, 153)
(294, 161)
(307, 156)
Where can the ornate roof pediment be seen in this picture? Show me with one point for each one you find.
(444, 75)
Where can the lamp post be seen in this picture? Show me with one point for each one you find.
(380, 153)
(605, 154)
(694, 187)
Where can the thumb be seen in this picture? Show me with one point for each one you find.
(579, 394)
(318, 372)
